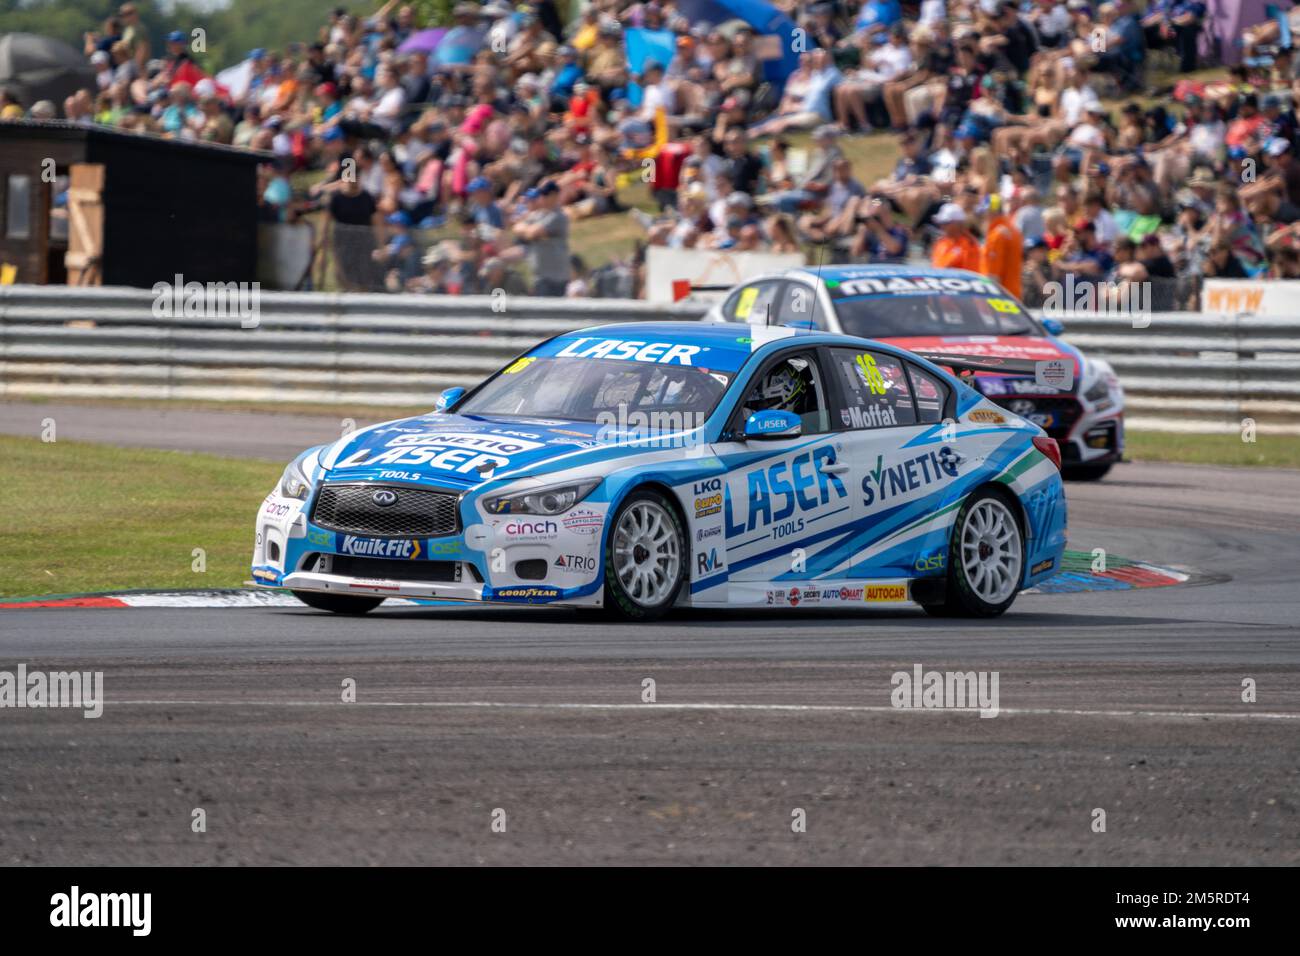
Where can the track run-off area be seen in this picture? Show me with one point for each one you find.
(482, 735)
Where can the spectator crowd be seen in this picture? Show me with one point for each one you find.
(1037, 141)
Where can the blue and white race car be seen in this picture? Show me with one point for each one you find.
(957, 313)
(641, 467)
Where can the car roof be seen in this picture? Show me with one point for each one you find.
(729, 336)
(882, 270)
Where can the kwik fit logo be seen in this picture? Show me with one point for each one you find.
(379, 547)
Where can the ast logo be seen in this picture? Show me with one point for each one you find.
(379, 547)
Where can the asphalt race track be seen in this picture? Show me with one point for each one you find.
(1125, 701)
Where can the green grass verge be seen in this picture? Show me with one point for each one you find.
(1272, 451)
(85, 517)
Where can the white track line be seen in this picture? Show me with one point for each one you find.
(774, 708)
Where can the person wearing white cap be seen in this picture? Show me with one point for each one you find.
(956, 248)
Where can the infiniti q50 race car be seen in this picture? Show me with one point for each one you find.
(639, 467)
(960, 313)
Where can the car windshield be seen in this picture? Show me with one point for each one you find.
(890, 315)
(649, 394)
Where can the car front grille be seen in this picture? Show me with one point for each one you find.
(417, 512)
(1064, 412)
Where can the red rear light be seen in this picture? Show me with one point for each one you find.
(1050, 448)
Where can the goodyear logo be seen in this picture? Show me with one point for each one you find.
(527, 593)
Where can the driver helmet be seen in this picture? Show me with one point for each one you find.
(783, 389)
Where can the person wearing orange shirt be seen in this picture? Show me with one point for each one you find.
(1002, 256)
(956, 248)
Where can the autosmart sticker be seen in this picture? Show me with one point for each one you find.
(842, 594)
(379, 547)
(663, 353)
(886, 592)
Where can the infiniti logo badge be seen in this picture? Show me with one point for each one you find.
(383, 497)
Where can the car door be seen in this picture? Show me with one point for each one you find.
(781, 493)
(884, 404)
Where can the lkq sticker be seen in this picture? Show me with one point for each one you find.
(1054, 373)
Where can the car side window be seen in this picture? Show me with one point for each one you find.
(875, 388)
(798, 303)
(931, 395)
(792, 384)
(751, 303)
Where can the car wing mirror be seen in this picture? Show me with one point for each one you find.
(773, 424)
(449, 398)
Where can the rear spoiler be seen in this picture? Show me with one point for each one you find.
(1050, 373)
(968, 364)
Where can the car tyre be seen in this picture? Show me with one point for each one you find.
(986, 558)
(338, 603)
(645, 558)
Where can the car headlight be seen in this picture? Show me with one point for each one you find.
(293, 483)
(542, 501)
(1098, 390)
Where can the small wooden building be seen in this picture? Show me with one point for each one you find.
(91, 205)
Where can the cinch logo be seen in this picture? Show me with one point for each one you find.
(705, 563)
(665, 353)
(885, 483)
(775, 492)
(521, 528)
(379, 547)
